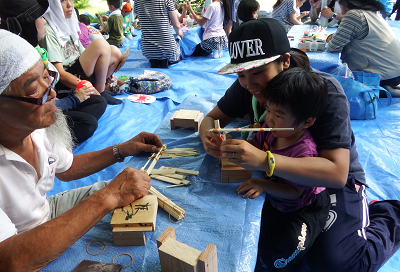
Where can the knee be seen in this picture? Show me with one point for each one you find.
(116, 54)
(101, 46)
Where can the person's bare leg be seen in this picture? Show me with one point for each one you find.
(96, 60)
(115, 59)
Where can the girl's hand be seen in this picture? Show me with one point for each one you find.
(304, 13)
(253, 188)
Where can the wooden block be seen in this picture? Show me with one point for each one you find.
(231, 173)
(178, 257)
(126, 237)
(167, 179)
(140, 213)
(186, 118)
(169, 232)
(208, 259)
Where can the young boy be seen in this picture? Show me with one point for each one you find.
(114, 26)
(293, 215)
(84, 34)
(128, 29)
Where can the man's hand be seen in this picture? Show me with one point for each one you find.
(327, 12)
(128, 186)
(253, 188)
(147, 142)
(244, 154)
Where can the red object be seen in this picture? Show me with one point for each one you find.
(81, 84)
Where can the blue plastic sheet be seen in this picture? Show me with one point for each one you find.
(209, 203)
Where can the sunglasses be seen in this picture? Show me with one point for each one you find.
(38, 101)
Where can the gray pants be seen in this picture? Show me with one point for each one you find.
(62, 202)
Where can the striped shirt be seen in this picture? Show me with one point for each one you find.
(157, 39)
(354, 26)
(282, 13)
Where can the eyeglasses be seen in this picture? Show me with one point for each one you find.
(38, 101)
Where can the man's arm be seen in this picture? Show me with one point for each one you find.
(330, 169)
(89, 163)
(35, 248)
(314, 11)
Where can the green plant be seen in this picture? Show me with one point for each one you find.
(80, 4)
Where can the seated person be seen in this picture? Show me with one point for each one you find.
(287, 12)
(367, 42)
(158, 44)
(115, 22)
(84, 32)
(96, 63)
(34, 148)
(94, 33)
(332, 11)
(248, 10)
(81, 106)
(214, 36)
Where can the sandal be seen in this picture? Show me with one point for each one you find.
(125, 56)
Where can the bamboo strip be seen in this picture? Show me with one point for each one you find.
(165, 203)
(249, 129)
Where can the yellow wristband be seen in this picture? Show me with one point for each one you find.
(271, 163)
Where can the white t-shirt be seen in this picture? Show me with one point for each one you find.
(214, 25)
(336, 7)
(23, 203)
(94, 33)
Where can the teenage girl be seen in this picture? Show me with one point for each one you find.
(287, 12)
(214, 37)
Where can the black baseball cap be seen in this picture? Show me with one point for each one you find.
(255, 43)
(19, 16)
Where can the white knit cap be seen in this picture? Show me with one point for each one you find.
(16, 57)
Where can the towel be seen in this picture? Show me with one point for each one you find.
(16, 57)
(63, 28)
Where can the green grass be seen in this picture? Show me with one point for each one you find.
(95, 7)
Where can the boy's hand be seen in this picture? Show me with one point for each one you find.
(253, 187)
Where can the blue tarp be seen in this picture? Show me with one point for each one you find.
(215, 213)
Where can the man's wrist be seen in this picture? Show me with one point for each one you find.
(116, 153)
(334, 16)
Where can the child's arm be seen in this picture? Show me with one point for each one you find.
(280, 189)
(304, 13)
(175, 23)
(293, 19)
(103, 26)
(200, 19)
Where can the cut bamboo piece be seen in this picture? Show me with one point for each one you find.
(182, 171)
(167, 205)
(167, 179)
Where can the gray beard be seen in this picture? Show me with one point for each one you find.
(59, 133)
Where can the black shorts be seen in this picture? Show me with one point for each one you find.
(77, 70)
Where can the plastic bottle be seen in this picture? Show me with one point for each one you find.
(314, 45)
(323, 21)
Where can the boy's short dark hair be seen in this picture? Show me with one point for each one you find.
(300, 91)
(246, 9)
(115, 3)
(84, 19)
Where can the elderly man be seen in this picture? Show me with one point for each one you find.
(35, 230)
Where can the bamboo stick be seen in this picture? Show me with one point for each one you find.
(249, 129)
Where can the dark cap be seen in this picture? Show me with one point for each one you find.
(19, 16)
(255, 43)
